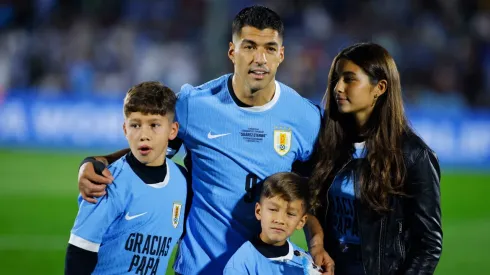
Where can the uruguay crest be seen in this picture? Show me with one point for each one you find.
(282, 140)
(177, 207)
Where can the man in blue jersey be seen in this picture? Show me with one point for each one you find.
(238, 129)
(135, 226)
(282, 208)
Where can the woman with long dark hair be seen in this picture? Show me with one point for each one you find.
(377, 182)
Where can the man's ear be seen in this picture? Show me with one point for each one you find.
(231, 52)
(281, 54)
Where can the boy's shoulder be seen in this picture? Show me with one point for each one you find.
(178, 168)
(295, 247)
(123, 176)
(247, 259)
(180, 174)
(246, 253)
(121, 171)
(242, 258)
(247, 248)
(118, 167)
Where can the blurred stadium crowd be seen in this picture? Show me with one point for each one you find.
(442, 47)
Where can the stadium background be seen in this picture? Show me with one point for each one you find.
(65, 66)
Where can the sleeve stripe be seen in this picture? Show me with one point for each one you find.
(84, 244)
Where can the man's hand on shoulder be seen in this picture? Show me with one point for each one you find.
(93, 177)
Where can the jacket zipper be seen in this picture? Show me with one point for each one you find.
(400, 231)
(380, 251)
(356, 195)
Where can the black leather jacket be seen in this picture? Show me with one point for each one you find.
(407, 240)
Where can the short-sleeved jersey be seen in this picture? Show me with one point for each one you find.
(135, 226)
(232, 149)
(249, 261)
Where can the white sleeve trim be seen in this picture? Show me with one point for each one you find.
(83, 244)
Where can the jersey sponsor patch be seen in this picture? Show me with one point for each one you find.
(282, 140)
(176, 213)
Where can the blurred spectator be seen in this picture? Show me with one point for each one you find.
(80, 47)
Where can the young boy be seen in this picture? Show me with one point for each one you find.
(135, 226)
(283, 206)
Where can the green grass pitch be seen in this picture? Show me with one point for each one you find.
(38, 204)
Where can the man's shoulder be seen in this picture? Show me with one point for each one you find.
(209, 88)
(307, 106)
(300, 110)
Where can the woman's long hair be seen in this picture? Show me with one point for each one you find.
(384, 172)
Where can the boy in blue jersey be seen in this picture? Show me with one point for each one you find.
(238, 129)
(283, 207)
(135, 226)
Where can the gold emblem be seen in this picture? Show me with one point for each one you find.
(177, 207)
(282, 140)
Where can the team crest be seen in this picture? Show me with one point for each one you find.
(177, 207)
(282, 140)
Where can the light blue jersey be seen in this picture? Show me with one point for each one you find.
(345, 227)
(249, 261)
(232, 149)
(135, 226)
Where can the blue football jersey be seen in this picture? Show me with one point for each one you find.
(232, 149)
(135, 226)
(249, 261)
(342, 197)
(344, 215)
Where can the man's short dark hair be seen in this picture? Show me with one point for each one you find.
(259, 17)
(288, 186)
(150, 98)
